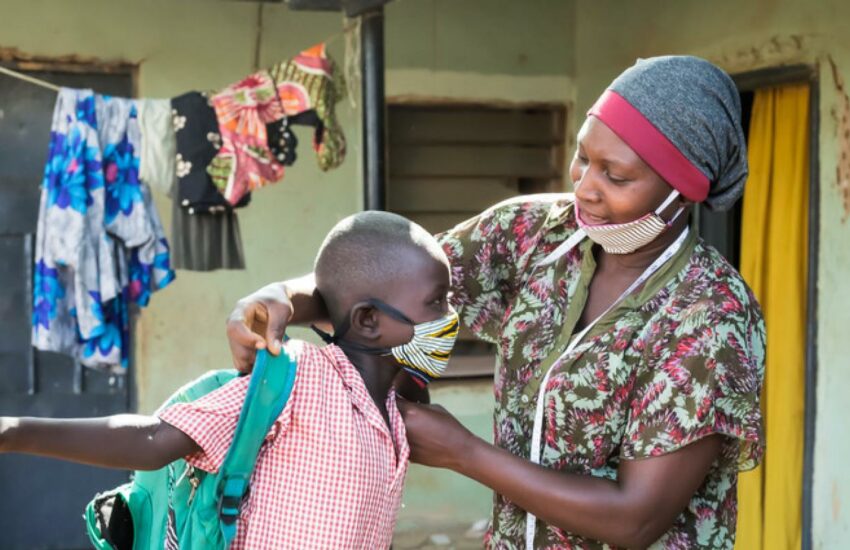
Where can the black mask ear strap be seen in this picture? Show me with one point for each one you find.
(326, 338)
(389, 310)
(341, 329)
(352, 346)
(339, 332)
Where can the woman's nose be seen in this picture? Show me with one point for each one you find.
(585, 186)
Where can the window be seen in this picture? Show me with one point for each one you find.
(449, 162)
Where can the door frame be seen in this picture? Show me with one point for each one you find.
(776, 76)
(22, 62)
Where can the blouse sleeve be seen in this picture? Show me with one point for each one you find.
(701, 375)
(487, 254)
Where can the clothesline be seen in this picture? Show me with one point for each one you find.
(345, 31)
(194, 146)
(28, 78)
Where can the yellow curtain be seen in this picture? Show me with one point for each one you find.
(774, 257)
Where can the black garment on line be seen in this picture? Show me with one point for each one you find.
(205, 241)
(205, 229)
(282, 140)
(198, 141)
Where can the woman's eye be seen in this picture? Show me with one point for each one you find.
(615, 179)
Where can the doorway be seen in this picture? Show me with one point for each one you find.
(40, 491)
(780, 118)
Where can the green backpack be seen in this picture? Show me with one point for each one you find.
(179, 506)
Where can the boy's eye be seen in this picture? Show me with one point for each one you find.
(441, 300)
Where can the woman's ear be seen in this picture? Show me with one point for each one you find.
(365, 321)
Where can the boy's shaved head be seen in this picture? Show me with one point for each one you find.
(366, 252)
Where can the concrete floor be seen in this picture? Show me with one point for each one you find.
(462, 537)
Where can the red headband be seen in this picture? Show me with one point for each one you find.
(651, 145)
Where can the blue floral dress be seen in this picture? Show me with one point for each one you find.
(99, 243)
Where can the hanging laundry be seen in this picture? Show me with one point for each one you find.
(198, 141)
(244, 161)
(159, 147)
(70, 243)
(311, 82)
(149, 266)
(205, 241)
(205, 229)
(282, 141)
(129, 213)
(99, 242)
(125, 214)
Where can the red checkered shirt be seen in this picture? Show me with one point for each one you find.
(330, 474)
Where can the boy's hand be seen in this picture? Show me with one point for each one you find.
(436, 437)
(258, 322)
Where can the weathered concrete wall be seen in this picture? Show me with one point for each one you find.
(742, 36)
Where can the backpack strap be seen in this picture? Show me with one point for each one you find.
(268, 391)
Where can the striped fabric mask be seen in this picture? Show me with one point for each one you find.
(424, 357)
(625, 238)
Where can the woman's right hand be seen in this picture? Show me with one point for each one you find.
(258, 321)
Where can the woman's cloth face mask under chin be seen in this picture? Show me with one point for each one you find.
(424, 357)
(625, 238)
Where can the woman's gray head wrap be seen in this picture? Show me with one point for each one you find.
(682, 115)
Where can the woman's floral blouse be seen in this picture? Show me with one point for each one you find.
(678, 360)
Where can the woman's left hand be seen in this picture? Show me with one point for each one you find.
(436, 437)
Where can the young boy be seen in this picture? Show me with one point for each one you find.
(331, 471)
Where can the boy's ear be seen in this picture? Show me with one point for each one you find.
(365, 321)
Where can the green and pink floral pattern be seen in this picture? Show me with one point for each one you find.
(680, 359)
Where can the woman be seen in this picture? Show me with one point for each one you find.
(631, 354)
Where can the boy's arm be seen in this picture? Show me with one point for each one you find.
(127, 441)
(259, 320)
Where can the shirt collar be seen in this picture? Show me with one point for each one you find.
(357, 388)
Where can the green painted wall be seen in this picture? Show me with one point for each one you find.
(524, 38)
(441, 501)
(742, 36)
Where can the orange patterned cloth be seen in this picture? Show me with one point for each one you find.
(244, 161)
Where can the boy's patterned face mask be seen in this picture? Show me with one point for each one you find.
(424, 357)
